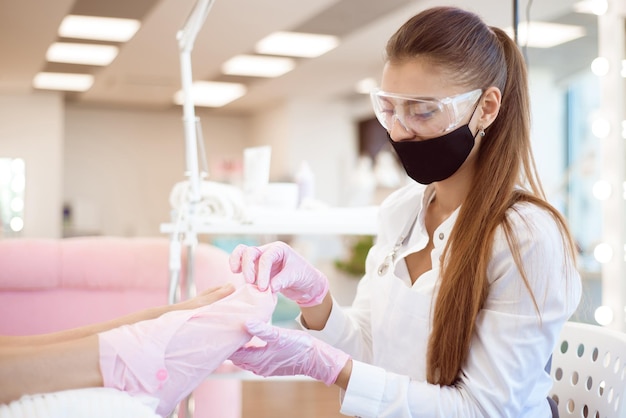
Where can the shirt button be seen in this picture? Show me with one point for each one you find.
(441, 235)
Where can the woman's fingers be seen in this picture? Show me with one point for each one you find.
(244, 259)
(270, 263)
(234, 261)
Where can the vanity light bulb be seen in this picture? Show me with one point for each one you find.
(603, 253)
(602, 190)
(18, 183)
(600, 66)
(603, 315)
(601, 128)
(17, 204)
(16, 224)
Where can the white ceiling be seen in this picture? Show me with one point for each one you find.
(146, 73)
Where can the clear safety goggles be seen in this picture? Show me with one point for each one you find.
(423, 116)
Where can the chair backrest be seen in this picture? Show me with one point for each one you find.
(589, 372)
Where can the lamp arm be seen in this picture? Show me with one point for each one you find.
(187, 35)
(186, 38)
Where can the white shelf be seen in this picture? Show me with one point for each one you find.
(336, 221)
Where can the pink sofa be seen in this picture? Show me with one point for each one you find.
(48, 285)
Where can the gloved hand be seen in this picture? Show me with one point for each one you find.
(279, 267)
(168, 357)
(290, 352)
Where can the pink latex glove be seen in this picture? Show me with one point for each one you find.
(168, 357)
(290, 352)
(279, 267)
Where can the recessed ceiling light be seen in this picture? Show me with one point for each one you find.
(87, 54)
(63, 81)
(212, 93)
(258, 66)
(98, 28)
(546, 35)
(296, 44)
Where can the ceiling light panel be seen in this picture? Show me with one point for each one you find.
(86, 54)
(258, 66)
(212, 93)
(536, 34)
(296, 44)
(98, 28)
(63, 81)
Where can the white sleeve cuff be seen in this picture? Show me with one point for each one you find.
(334, 330)
(365, 391)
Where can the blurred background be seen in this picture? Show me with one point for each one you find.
(100, 153)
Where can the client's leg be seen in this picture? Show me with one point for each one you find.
(205, 298)
(30, 369)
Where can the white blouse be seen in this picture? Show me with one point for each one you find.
(386, 329)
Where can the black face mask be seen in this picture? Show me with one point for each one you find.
(435, 159)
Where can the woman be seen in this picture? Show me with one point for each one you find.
(473, 273)
(158, 355)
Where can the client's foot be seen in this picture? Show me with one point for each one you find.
(168, 357)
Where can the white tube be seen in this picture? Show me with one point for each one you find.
(186, 38)
(187, 35)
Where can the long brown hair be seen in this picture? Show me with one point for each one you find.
(475, 55)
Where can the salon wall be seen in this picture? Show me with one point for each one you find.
(121, 164)
(324, 134)
(115, 168)
(31, 128)
(319, 132)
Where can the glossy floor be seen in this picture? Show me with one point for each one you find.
(287, 399)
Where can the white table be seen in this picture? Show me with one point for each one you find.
(329, 221)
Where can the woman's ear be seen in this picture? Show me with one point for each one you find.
(489, 106)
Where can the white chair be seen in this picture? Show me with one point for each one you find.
(589, 372)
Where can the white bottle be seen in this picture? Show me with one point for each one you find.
(306, 183)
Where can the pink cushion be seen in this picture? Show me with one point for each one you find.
(30, 264)
(211, 268)
(104, 263)
(114, 263)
